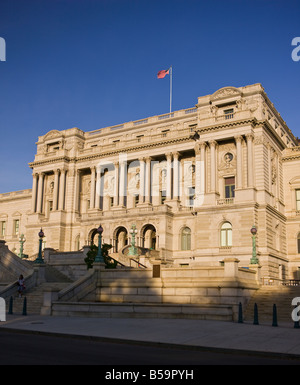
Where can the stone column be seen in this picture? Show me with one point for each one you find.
(148, 180)
(122, 183)
(169, 176)
(77, 191)
(239, 162)
(40, 193)
(202, 159)
(250, 159)
(176, 176)
(116, 185)
(142, 180)
(213, 165)
(55, 191)
(197, 172)
(92, 197)
(34, 191)
(98, 188)
(62, 184)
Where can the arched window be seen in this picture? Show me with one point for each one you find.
(298, 243)
(226, 234)
(77, 243)
(186, 238)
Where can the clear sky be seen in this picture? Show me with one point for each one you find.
(93, 63)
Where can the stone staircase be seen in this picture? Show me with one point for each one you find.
(34, 298)
(266, 297)
(55, 281)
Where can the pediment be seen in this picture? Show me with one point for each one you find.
(226, 92)
(53, 134)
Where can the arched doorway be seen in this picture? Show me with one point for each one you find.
(149, 237)
(120, 238)
(93, 239)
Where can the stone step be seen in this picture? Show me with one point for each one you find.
(34, 298)
(266, 297)
(130, 310)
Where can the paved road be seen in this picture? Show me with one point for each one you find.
(28, 349)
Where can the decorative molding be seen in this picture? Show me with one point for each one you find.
(226, 92)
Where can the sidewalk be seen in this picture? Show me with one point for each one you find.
(261, 339)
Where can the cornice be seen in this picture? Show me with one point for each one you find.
(228, 124)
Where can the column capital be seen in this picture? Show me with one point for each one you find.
(212, 143)
(249, 136)
(176, 154)
(238, 138)
(169, 156)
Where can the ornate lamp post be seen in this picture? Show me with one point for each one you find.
(254, 259)
(132, 250)
(40, 258)
(99, 256)
(22, 240)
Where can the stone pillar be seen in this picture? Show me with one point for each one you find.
(77, 190)
(176, 176)
(239, 162)
(62, 184)
(34, 191)
(40, 193)
(116, 186)
(142, 180)
(93, 187)
(169, 177)
(98, 188)
(197, 173)
(122, 183)
(231, 266)
(213, 165)
(55, 191)
(148, 181)
(202, 159)
(250, 159)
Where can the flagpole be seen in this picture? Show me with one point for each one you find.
(170, 89)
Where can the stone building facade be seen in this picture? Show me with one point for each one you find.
(193, 182)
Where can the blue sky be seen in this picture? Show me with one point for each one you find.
(93, 63)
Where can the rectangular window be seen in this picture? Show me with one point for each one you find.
(229, 187)
(3, 227)
(228, 113)
(136, 200)
(191, 196)
(298, 200)
(163, 195)
(16, 226)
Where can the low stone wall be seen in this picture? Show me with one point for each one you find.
(217, 286)
(70, 264)
(226, 284)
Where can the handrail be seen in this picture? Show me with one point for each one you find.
(139, 263)
(118, 262)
